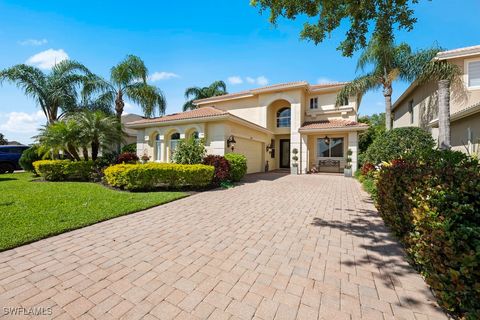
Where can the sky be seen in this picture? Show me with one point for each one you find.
(193, 43)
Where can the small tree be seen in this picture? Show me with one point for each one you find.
(189, 151)
(3, 141)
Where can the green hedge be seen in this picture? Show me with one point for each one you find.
(433, 206)
(28, 157)
(153, 175)
(398, 143)
(238, 165)
(60, 170)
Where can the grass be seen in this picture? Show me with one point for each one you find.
(32, 210)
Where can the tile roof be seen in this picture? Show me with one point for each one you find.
(273, 87)
(469, 108)
(206, 112)
(458, 52)
(332, 124)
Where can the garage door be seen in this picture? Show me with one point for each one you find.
(253, 151)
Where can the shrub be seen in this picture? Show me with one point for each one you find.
(28, 157)
(408, 142)
(127, 157)
(59, 170)
(222, 168)
(238, 165)
(433, 205)
(153, 175)
(132, 147)
(367, 168)
(189, 151)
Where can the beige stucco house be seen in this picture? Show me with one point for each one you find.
(267, 124)
(418, 105)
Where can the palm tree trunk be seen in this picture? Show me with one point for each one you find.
(95, 148)
(73, 151)
(444, 114)
(119, 104)
(387, 93)
(85, 153)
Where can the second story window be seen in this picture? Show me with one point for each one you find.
(473, 74)
(283, 118)
(344, 102)
(313, 103)
(410, 110)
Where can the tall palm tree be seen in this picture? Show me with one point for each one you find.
(129, 79)
(217, 88)
(54, 91)
(98, 130)
(389, 62)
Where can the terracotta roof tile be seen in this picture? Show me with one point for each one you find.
(331, 124)
(278, 86)
(206, 112)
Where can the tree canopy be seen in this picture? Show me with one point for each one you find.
(216, 88)
(375, 18)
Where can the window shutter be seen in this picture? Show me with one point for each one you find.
(474, 74)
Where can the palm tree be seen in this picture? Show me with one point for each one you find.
(55, 91)
(60, 136)
(390, 63)
(98, 130)
(129, 79)
(217, 88)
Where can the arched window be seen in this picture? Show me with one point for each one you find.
(174, 139)
(158, 147)
(283, 118)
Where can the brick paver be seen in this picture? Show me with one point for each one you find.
(276, 247)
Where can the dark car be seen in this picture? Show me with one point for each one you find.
(9, 156)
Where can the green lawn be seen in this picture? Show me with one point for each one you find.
(32, 210)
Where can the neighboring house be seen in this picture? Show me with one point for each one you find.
(130, 135)
(266, 124)
(418, 105)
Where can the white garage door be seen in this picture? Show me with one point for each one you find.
(253, 151)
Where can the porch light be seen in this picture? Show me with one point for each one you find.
(327, 140)
(269, 147)
(231, 142)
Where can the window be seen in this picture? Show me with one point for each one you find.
(410, 110)
(474, 74)
(330, 148)
(314, 103)
(174, 140)
(344, 102)
(283, 118)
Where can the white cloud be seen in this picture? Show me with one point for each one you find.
(157, 76)
(262, 80)
(48, 58)
(22, 122)
(250, 80)
(33, 42)
(235, 80)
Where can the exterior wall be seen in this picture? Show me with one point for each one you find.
(425, 100)
(312, 148)
(465, 134)
(245, 108)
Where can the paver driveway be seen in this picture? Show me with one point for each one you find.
(283, 247)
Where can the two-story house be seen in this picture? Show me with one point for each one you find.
(418, 105)
(266, 125)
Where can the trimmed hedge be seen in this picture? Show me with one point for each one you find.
(433, 206)
(399, 143)
(60, 170)
(127, 157)
(153, 175)
(238, 165)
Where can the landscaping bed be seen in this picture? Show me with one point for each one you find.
(30, 211)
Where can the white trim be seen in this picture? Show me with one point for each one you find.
(466, 73)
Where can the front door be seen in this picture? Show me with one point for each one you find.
(284, 153)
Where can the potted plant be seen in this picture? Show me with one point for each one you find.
(347, 171)
(294, 167)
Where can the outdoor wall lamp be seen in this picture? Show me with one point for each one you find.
(269, 147)
(231, 142)
(327, 140)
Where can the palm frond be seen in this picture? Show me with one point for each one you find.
(358, 87)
